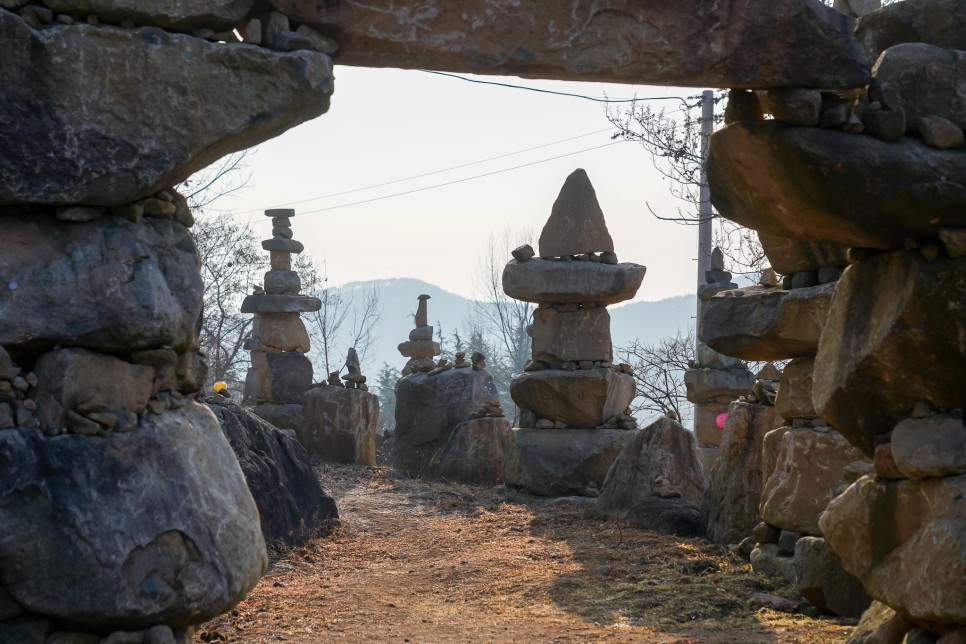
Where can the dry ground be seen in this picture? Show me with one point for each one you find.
(414, 561)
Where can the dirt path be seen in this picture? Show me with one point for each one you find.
(414, 561)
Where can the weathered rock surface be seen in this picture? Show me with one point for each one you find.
(794, 399)
(790, 256)
(282, 331)
(935, 22)
(158, 524)
(274, 303)
(474, 453)
(766, 323)
(823, 582)
(657, 482)
(922, 80)
(730, 508)
(800, 183)
(571, 335)
(540, 280)
(287, 416)
(558, 462)
(880, 624)
(707, 384)
(807, 470)
(910, 309)
(429, 407)
(292, 505)
(586, 398)
(576, 224)
(767, 559)
(340, 424)
(181, 15)
(115, 156)
(83, 382)
(933, 446)
(691, 43)
(143, 277)
(278, 377)
(906, 541)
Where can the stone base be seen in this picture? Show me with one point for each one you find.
(473, 454)
(559, 462)
(281, 416)
(340, 424)
(278, 377)
(585, 399)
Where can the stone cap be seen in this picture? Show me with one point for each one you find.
(268, 303)
(546, 281)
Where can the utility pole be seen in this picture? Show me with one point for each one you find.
(704, 202)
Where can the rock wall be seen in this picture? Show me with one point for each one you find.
(106, 460)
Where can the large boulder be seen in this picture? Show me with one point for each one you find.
(657, 481)
(584, 398)
(114, 288)
(543, 280)
(936, 22)
(340, 424)
(794, 399)
(766, 322)
(730, 508)
(278, 377)
(790, 256)
(930, 446)
(906, 541)
(914, 319)
(556, 462)
(711, 384)
(823, 582)
(226, 97)
(808, 469)
(474, 453)
(177, 15)
(800, 183)
(922, 80)
(559, 336)
(690, 43)
(131, 530)
(292, 505)
(576, 225)
(429, 407)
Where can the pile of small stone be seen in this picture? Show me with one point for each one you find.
(623, 420)
(459, 361)
(420, 349)
(271, 29)
(354, 379)
(490, 409)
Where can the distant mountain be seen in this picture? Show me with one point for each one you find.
(648, 321)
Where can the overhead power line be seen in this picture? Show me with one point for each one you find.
(455, 167)
(464, 179)
(596, 99)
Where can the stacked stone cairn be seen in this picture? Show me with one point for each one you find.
(872, 180)
(124, 514)
(449, 422)
(714, 380)
(280, 372)
(341, 417)
(574, 401)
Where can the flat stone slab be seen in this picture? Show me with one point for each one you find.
(802, 183)
(692, 42)
(766, 322)
(58, 145)
(708, 384)
(269, 303)
(586, 398)
(172, 14)
(541, 280)
(789, 256)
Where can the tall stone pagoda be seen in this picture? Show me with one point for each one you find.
(574, 399)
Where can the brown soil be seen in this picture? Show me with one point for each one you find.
(416, 561)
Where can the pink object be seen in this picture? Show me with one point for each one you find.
(721, 420)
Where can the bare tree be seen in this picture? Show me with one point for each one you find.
(226, 176)
(659, 374)
(673, 139)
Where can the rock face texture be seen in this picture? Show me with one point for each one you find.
(474, 453)
(584, 398)
(112, 157)
(429, 407)
(913, 308)
(821, 580)
(162, 527)
(541, 280)
(657, 482)
(730, 508)
(935, 22)
(690, 43)
(340, 424)
(576, 223)
(291, 503)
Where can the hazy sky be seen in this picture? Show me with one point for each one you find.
(388, 125)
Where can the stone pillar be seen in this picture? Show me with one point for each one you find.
(280, 372)
(571, 393)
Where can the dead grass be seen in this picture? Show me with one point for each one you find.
(415, 561)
